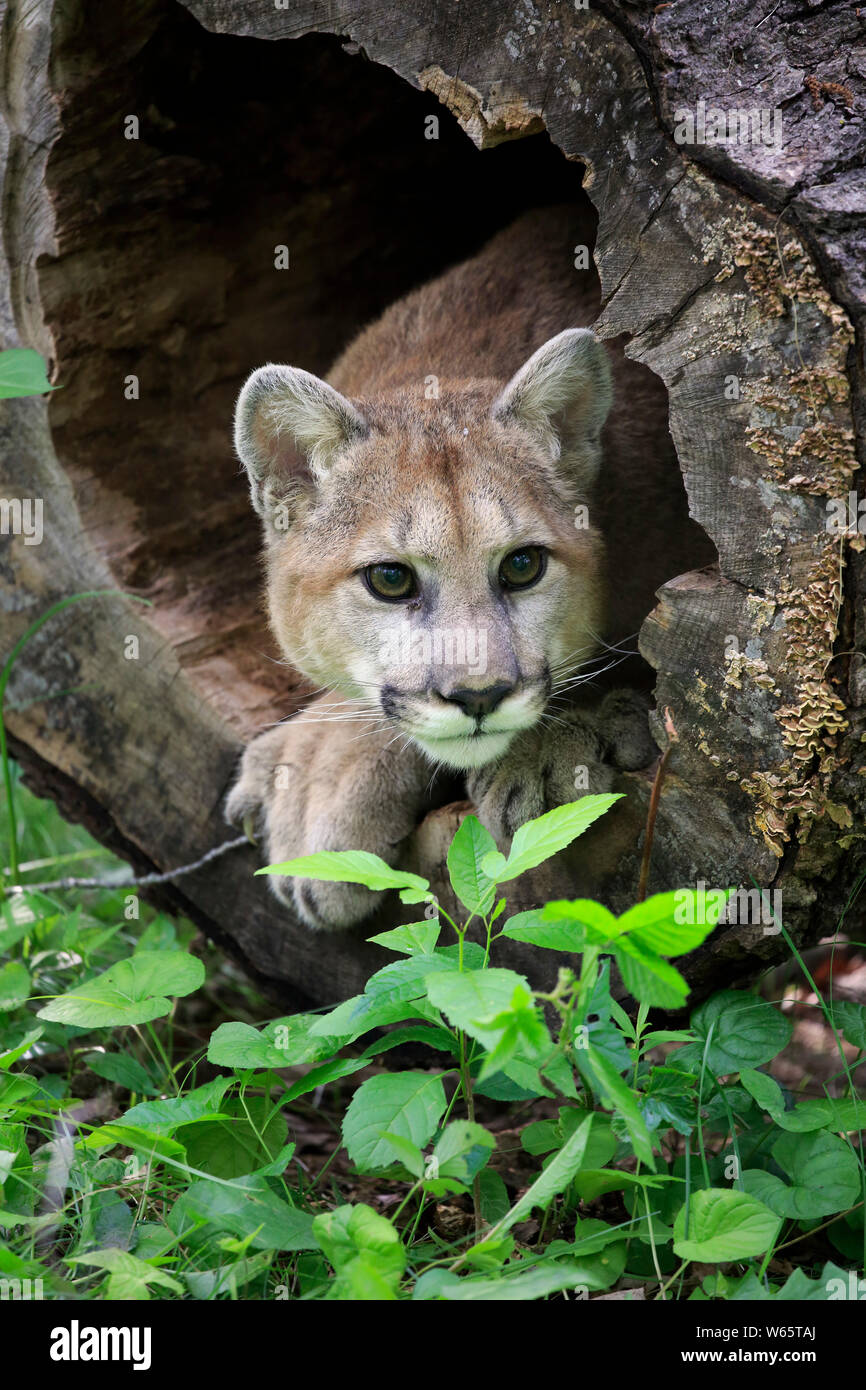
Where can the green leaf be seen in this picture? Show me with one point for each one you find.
(825, 1112)
(535, 928)
(469, 846)
(365, 1251)
(850, 1018)
(129, 1278)
(471, 999)
(461, 1151)
(134, 1137)
(663, 926)
(285, 1042)
(415, 939)
(747, 1031)
(323, 1076)
(123, 1069)
(361, 1013)
(135, 990)
(824, 1174)
(410, 1104)
(437, 1038)
(244, 1208)
(494, 1196)
(545, 836)
(597, 920)
(541, 1137)
(22, 373)
(348, 866)
(724, 1225)
(617, 1096)
(647, 977)
(408, 1153)
(163, 1117)
(406, 979)
(538, 1281)
(554, 1179)
(8, 1058)
(239, 1141)
(765, 1091)
(14, 981)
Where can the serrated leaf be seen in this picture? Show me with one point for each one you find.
(648, 977)
(348, 866)
(469, 1000)
(409, 1103)
(461, 1150)
(414, 939)
(597, 920)
(541, 838)
(667, 925)
(129, 1277)
(365, 1250)
(469, 881)
(535, 928)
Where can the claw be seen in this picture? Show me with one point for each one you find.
(248, 824)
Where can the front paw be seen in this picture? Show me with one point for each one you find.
(543, 768)
(246, 805)
(623, 718)
(310, 786)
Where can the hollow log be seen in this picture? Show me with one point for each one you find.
(156, 156)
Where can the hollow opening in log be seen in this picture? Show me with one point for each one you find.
(215, 152)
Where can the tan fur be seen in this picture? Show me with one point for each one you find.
(466, 423)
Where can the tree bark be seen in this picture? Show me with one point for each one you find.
(153, 160)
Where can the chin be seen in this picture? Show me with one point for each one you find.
(465, 753)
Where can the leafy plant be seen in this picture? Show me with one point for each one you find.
(651, 1149)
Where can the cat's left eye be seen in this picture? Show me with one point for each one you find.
(523, 568)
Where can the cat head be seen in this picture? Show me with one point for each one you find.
(433, 558)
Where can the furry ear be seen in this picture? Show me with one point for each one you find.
(289, 427)
(562, 395)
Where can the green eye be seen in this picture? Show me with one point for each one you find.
(522, 568)
(390, 581)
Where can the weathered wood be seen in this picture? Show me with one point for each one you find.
(736, 271)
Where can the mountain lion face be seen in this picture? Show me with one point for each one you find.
(429, 557)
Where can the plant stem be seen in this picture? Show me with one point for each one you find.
(673, 738)
(466, 1084)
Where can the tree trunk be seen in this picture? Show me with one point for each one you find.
(155, 158)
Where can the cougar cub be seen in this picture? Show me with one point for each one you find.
(480, 497)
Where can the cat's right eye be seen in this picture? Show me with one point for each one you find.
(391, 581)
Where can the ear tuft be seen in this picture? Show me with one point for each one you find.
(289, 428)
(562, 394)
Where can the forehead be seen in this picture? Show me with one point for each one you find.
(436, 492)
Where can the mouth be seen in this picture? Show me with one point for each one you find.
(473, 749)
(459, 741)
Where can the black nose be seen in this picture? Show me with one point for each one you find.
(477, 703)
